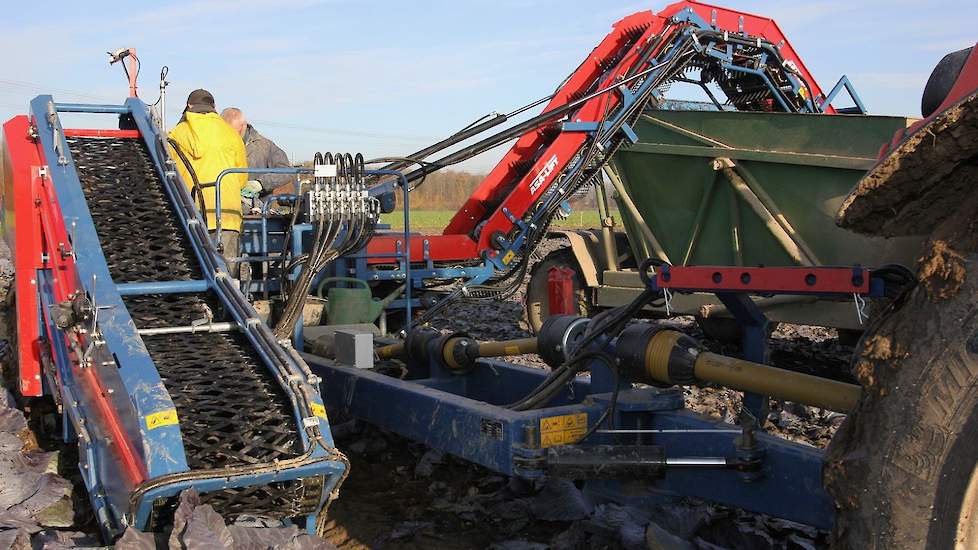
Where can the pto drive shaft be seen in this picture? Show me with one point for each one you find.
(654, 355)
(458, 351)
(648, 354)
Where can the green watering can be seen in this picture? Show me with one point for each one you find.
(351, 306)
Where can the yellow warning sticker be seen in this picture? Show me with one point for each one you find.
(562, 430)
(319, 410)
(512, 350)
(162, 418)
(508, 257)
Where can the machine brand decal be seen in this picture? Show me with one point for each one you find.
(162, 418)
(512, 350)
(544, 174)
(562, 430)
(318, 410)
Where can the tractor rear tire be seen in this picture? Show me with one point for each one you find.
(902, 468)
(537, 291)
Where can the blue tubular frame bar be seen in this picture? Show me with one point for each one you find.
(846, 84)
(226, 172)
(86, 108)
(406, 256)
(162, 287)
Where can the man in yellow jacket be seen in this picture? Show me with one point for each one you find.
(210, 146)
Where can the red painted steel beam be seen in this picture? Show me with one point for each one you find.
(35, 228)
(511, 172)
(556, 155)
(834, 280)
(101, 132)
(530, 166)
(440, 248)
(22, 227)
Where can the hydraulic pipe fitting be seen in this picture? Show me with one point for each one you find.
(656, 355)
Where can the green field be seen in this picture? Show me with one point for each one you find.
(429, 220)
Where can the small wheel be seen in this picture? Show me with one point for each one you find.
(902, 468)
(537, 291)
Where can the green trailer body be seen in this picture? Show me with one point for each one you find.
(752, 189)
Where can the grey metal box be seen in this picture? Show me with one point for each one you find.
(355, 348)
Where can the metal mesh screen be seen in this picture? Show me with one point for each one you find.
(140, 234)
(232, 411)
(170, 310)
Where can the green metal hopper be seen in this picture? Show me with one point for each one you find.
(737, 188)
(774, 206)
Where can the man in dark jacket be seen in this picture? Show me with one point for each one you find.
(262, 153)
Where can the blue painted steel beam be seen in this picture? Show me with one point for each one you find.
(141, 390)
(465, 415)
(162, 287)
(790, 485)
(846, 84)
(90, 108)
(469, 428)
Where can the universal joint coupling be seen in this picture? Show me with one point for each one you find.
(655, 355)
(458, 351)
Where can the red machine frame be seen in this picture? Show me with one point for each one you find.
(543, 154)
(38, 227)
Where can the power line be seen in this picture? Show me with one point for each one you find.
(45, 88)
(402, 138)
(322, 130)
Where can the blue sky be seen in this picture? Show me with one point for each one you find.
(389, 77)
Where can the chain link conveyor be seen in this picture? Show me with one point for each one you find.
(165, 374)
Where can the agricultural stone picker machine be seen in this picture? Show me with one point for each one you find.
(170, 374)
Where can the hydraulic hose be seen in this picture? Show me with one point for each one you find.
(197, 193)
(584, 173)
(357, 216)
(522, 128)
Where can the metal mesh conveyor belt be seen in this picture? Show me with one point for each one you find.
(141, 236)
(232, 411)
